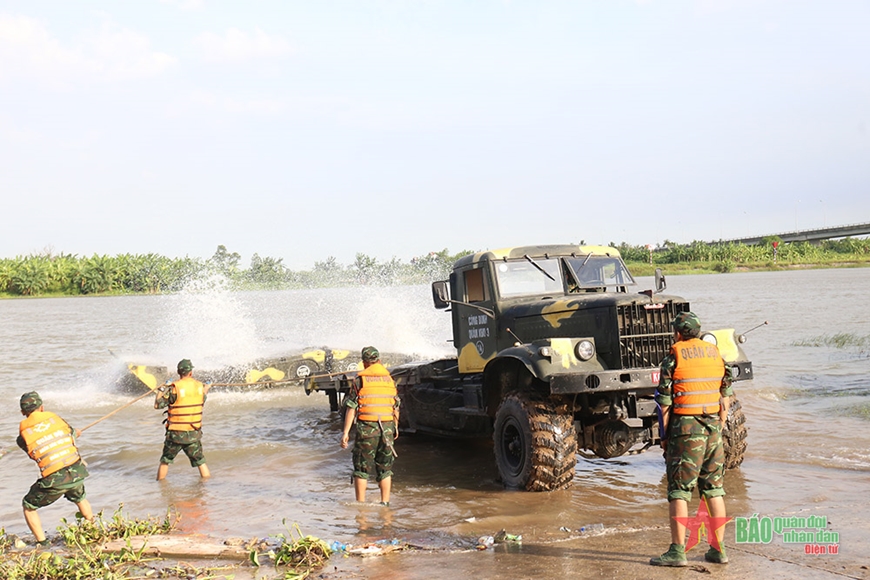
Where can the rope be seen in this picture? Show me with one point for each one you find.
(283, 381)
(121, 408)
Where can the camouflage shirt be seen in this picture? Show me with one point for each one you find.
(665, 390)
(64, 478)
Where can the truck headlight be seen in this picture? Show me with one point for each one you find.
(709, 337)
(544, 351)
(584, 350)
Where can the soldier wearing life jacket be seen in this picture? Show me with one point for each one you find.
(694, 395)
(51, 443)
(374, 405)
(183, 401)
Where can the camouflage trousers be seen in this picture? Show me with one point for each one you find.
(695, 456)
(68, 482)
(188, 441)
(373, 449)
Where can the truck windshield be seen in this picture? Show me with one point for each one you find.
(527, 278)
(599, 272)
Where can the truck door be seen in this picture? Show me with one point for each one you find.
(476, 343)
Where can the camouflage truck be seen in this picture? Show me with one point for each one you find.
(557, 353)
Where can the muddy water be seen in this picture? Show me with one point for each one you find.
(274, 455)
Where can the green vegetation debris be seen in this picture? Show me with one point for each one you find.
(300, 553)
(119, 527)
(840, 340)
(84, 559)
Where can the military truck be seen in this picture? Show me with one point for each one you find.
(558, 353)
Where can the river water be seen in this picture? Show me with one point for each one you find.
(275, 456)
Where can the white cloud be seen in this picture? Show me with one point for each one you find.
(185, 4)
(237, 46)
(28, 50)
(203, 100)
(121, 53)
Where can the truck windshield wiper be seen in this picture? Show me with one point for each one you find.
(535, 264)
(576, 271)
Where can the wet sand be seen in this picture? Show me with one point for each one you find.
(623, 555)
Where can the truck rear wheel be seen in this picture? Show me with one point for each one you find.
(734, 435)
(535, 444)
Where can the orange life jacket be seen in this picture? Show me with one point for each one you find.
(185, 414)
(377, 396)
(49, 441)
(697, 377)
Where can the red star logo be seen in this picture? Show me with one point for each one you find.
(702, 521)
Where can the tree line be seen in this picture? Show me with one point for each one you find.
(67, 274)
(726, 257)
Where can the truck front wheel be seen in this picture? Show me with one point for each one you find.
(535, 444)
(734, 435)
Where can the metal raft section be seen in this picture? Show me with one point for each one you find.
(645, 332)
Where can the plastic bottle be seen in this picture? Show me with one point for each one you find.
(484, 542)
(592, 529)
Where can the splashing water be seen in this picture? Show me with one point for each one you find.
(208, 324)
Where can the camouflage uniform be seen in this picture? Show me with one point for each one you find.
(188, 441)
(373, 446)
(67, 482)
(694, 453)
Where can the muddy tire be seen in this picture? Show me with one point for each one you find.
(734, 435)
(535, 444)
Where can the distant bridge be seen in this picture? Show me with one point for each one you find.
(807, 235)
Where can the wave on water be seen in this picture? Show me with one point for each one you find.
(850, 459)
(92, 388)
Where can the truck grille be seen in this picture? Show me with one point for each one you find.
(645, 333)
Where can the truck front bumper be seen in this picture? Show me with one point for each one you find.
(625, 380)
(602, 381)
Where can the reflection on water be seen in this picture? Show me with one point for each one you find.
(275, 454)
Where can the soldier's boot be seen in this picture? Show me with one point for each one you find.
(716, 556)
(675, 556)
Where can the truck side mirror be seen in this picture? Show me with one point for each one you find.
(441, 294)
(661, 284)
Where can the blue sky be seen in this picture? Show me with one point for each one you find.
(304, 130)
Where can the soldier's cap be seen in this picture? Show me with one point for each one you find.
(30, 402)
(370, 354)
(184, 366)
(686, 322)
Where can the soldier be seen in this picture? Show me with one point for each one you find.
(375, 405)
(51, 443)
(185, 399)
(693, 395)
